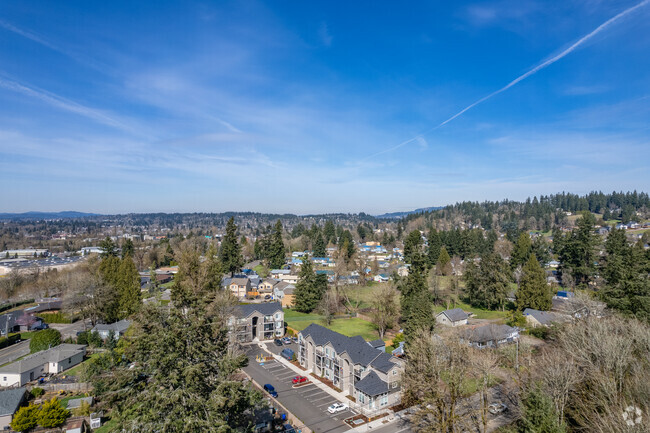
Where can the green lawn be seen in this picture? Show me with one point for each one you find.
(76, 370)
(347, 326)
(261, 270)
(106, 427)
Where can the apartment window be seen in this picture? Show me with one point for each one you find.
(362, 398)
(394, 384)
(383, 401)
(4, 378)
(394, 372)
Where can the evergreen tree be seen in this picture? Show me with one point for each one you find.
(128, 286)
(539, 414)
(415, 299)
(488, 284)
(319, 246)
(180, 354)
(109, 249)
(276, 247)
(444, 262)
(231, 257)
(52, 414)
(578, 251)
(346, 245)
(541, 250)
(127, 248)
(309, 289)
(45, 339)
(329, 232)
(25, 419)
(533, 290)
(412, 245)
(521, 252)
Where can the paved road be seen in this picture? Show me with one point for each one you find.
(71, 329)
(400, 426)
(13, 352)
(308, 403)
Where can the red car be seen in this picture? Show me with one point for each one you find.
(299, 379)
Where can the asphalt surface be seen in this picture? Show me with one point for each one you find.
(308, 403)
(71, 329)
(13, 352)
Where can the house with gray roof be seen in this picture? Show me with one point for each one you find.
(50, 361)
(361, 370)
(453, 317)
(257, 322)
(118, 329)
(536, 318)
(490, 335)
(10, 401)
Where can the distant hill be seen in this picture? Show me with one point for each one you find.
(396, 215)
(35, 215)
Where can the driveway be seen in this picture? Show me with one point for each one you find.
(307, 402)
(71, 329)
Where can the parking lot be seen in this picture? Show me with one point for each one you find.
(306, 402)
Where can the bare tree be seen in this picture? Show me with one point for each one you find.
(484, 364)
(385, 309)
(329, 305)
(433, 380)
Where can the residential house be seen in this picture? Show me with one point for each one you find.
(254, 322)
(536, 318)
(240, 286)
(453, 317)
(118, 329)
(10, 401)
(75, 425)
(284, 292)
(50, 361)
(371, 376)
(490, 335)
(381, 278)
(267, 285)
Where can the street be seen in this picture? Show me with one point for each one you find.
(13, 352)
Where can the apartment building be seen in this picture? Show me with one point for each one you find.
(257, 322)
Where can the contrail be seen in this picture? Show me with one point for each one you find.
(64, 104)
(522, 77)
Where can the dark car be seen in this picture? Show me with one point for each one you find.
(288, 428)
(287, 354)
(271, 390)
(277, 342)
(267, 297)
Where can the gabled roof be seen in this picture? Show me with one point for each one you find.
(372, 385)
(487, 333)
(383, 362)
(55, 354)
(117, 327)
(543, 317)
(455, 314)
(265, 308)
(356, 347)
(377, 343)
(239, 281)
(10, 399)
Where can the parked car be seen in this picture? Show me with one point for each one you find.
(286, 340)
(267, 297)
(277, 342)
(287, 354)
(288, 428)
(497, 408)
(294, 339)
(337, 407)
(299, 379)
(271, 390)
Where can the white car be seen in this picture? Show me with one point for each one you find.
(497, 408)
(337, 407)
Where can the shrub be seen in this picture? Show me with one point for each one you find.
(5, 342)
(37, 392)
(55, 318)
(25, 419)
(44, 339)
(52, 414)
(540, 332)
(82, 338)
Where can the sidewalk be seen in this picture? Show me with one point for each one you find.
(391, 417)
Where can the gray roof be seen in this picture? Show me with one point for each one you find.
(117, 327)
(487, 333)
(377, 343)
(455, 314)
(372, 385)
(265, 308)
(543, 317)
(55, 354)
(383, 362)
(10, 399)
(76, 402)
(356, 347)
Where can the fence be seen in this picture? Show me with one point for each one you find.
(77, 387)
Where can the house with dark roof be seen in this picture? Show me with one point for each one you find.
(10, 401)
(361, 370)
(257, 322)
(490, 335)
(536, 318)
(453, 317)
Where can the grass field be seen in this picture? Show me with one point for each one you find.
(76, 370)
(346, 326)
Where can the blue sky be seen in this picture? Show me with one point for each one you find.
(310, 107)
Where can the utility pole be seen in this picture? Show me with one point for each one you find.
(517, 356)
